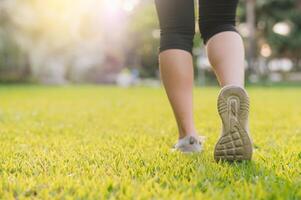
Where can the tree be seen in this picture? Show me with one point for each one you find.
(74, 39)
(288, 12)
(144, 38)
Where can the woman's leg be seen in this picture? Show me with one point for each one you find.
(176, 67)
(177, 76)
(228, 65)
(224, 45)
(226, 54)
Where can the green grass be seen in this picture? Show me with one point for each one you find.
(92, 142)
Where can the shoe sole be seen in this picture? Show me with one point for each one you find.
(235, 143)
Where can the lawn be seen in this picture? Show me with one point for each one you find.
(88, 142)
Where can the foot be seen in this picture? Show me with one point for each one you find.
(189, 144)
(235, 142)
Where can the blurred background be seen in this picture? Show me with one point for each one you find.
(116, 42)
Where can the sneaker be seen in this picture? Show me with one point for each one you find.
(235, 142)
(189, 144)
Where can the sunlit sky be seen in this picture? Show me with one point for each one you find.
(62, 20)
(126, 5)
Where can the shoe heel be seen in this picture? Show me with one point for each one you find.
(235, 143)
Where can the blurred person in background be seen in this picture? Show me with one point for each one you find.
(225, 51)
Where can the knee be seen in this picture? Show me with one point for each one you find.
(177, 38)
(209, 30)
(216, 17)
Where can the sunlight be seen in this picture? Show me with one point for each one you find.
(115, 6)
(112, 6)
(61, 18)
(129, 5)
(51, 27)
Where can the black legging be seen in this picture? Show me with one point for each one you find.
(177, 21)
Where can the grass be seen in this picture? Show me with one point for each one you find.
(90, 142)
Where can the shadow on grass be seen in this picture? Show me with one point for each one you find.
(258, 178)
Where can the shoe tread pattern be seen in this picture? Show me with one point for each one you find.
(235, 143)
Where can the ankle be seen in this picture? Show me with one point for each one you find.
(187, 131)
(233, 84)
(182, 135)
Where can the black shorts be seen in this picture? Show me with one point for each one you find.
(177, 21)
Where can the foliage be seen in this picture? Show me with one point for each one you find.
(269, 12)
(13, 61)
(62, 38)
(143, 24)
(111, 143)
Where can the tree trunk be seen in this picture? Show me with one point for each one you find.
(252, 47)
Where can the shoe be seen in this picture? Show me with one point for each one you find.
(235, 143)
(189, 144)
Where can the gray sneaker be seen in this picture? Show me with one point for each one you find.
(234, 143)
(189, 144)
